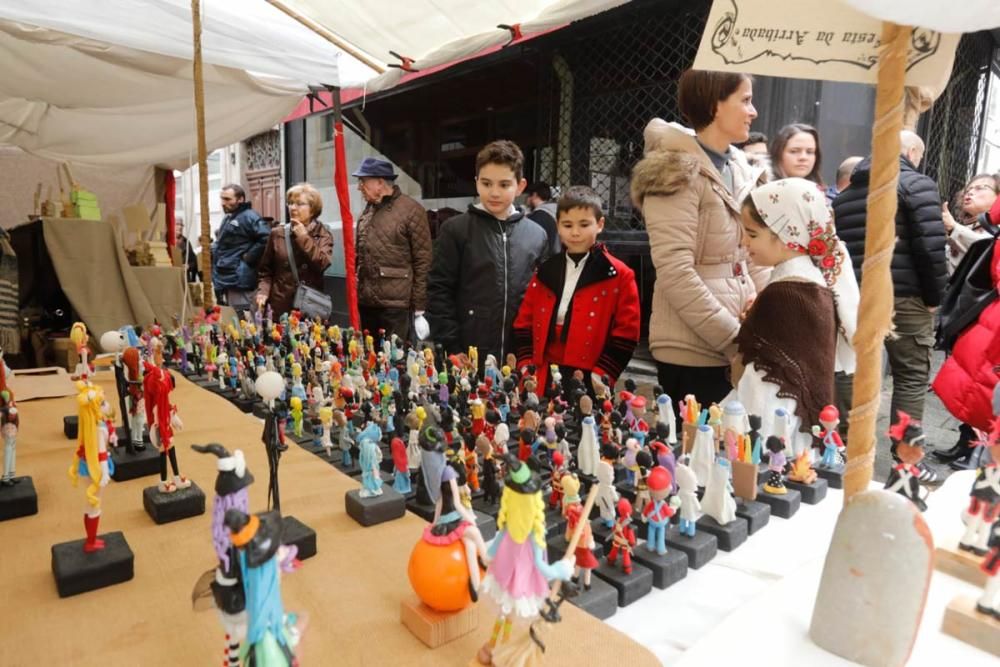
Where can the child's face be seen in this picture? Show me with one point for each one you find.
(498, 186)
(578, 229)
(764, 246)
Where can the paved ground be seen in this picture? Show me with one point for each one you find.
(941, 428)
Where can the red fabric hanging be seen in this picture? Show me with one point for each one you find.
(170, 200)
(340, 182)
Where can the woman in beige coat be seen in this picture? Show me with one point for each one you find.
(689, 187)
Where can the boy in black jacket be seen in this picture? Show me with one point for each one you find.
(483, 260)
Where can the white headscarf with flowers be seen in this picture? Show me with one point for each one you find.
(796, 211)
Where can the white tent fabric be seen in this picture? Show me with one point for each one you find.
(964, 16)
(435, 32)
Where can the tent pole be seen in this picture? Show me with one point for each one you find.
(875, 309)
(199, 107)
(344, 46)
(347, 220)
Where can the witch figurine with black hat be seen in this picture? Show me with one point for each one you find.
(519, 573)
(225, 582)
(272, 635)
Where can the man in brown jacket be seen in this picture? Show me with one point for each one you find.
(393, 254)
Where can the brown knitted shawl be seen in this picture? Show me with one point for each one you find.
(790, 335)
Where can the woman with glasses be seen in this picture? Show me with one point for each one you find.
(973, 223)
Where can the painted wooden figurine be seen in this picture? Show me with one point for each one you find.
(162, 417)
(400, 467)
(519, 573)
(776, 466)
(622, 536)
(687, 491)
(370, 459)
(833, 446)
(91, 460)
(908, 441)
(984, 499)
(657, 512)
(9, 424)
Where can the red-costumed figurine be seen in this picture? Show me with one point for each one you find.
(622, 536)
(161, 415)
(984, 499)
(908, 442)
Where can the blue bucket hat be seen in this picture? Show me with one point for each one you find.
(372, 167)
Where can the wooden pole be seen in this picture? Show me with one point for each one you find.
(344, 46)
(199, 107)
(875, 310)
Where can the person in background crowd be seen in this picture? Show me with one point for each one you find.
(795, 152)
(973, 222)
(919, 272)
(312, 247)
(755, 148)
(238, 247)
(538, 197)
(843, 177)
(190, 258)
(393, 254)
(689, 188)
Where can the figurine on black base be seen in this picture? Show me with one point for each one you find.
(833, 446)
(432, 464)
(370, 460)
(91, 460)
(269, 386)
(984, 499)
(9, 424)
(687, 491)
(623, 536)
(775, 483)
(136, 415)
(989, 601)
(400, 467)
(584, 553)
(162, 417)
(225, 582)
(657, 512)
(116, 342)
(490, 484)
(908, 442)
(607, 496)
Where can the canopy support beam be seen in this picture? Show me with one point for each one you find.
(337, 41)
(199, 107)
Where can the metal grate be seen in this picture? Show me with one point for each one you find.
(954, 124)
(603, 86)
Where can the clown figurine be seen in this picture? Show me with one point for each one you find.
(984, 501)
(519, 573)
(833, 446)
(623, 537)
(226, 583)
(908, 442)
(162, 417)
(91, 460)
(658, 511)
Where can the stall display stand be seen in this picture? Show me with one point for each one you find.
(78, 572)
(963, 622)
(180, 504)
(18, 500)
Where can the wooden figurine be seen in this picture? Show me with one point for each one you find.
(833, 446)
(908, 442)
(622, 536)
(658, 510)
(162, 417)
(687, 491)
(776, 466)
(984, 499)
(91, 460)
(9, 424)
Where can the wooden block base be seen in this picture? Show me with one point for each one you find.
(631, 586)
(70, 426)
(783, 506)
(811, 493)
(963, 622)
(834, 476)
(435, 628)
(960, 564)
(387, 506)
(667, 569)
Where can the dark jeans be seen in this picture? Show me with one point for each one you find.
(910, 356)
(393, 320)
(709, 384)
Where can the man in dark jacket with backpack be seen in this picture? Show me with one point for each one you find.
(919, 271)
(239, 243)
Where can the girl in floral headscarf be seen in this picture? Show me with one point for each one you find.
(799, 329)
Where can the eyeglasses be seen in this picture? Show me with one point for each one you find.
(983, 186)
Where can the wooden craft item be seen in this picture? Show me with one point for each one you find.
(688, 431)
(745, 480)
(960, 564)
(64, 198)
(435, 628)
(963, 622)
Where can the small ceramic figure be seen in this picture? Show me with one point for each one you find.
(432, 464)
(570, 484)
(587, 452)
(226, 584)
(558, 470)
(718, 501)
(984, 499)
(518, 574)
(622, 536)
(471, 462)
(272, 634)
(687, 491)
(490, 483)
(370, 459)
(989, 601)
(9, 424)
(607, 496)
(833, 446)
(632, 447)
(116, 343)
(295, 410)
(645, 463)
(269, 386)
(657, 512)
(776, 466)
(665, 415)
(703, 454)
(161, 414)
(454, 521)
(584, 553)
(79, 336)
(91, 459)
(400, 467)
(908, 442)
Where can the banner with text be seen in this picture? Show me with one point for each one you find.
(814, 39)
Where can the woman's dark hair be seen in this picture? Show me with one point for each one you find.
(751, 209)
(778, 148)
(699, 92)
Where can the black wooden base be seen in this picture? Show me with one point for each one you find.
(667, 569)
(757, 514)
(373, 511)
(244, 404)
(600, 530)
(811, 493)
(730, 536)
(626, 490)
(133, 466)
(783, 506)
(259, 410)
(78, 572)
(424, 511)
(555, 524)
(699, 549)
(120, 432)
(70, 425)
(601, 601)
(487, 525)
(630, 587)
(302, 536)
(557, 548)
(18, 500)
(167, 507)
(834, 476)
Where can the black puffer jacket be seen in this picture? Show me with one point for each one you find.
(480, 271)
(919, 265)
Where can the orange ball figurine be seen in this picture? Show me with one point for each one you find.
(439, 575)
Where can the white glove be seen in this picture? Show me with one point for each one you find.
(421, 327)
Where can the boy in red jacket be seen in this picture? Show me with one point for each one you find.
(581, 308)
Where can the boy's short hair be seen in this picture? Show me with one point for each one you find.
(699, 91)
(580, 196)
(542, 189)
(753, 138)
(502, 152)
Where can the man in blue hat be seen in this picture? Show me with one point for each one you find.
(393, 253)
